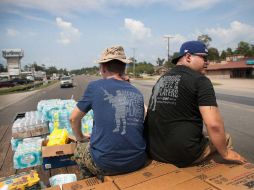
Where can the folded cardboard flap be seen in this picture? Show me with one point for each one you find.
(59, 150)
(240, 177)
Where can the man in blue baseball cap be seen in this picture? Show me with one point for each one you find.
(181, 101)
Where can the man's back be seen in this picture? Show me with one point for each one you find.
(117, 143)
(174, 121)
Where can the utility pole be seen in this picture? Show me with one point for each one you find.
(168, 37)
(134, 61)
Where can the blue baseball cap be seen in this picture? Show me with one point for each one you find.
(192, 47)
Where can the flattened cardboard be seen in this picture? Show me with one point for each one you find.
(82, 183)
(213, 166)
(59, 150)
(238, 178)
(162, 182)
(141, 176)
(150, 164)
(90, 184)
(195, 184)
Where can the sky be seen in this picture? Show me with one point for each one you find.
(72, 34)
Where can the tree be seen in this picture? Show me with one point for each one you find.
(205, 39)
(213, 54)
(229, 52)
(63, 71)
(27, 67)
(37, 67)
(223, 55)
(51, 70)
(245, 49)
(159, 61)
(2, 68)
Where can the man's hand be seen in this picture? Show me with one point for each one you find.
(234, 156)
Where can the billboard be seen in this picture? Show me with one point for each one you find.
(7, 53)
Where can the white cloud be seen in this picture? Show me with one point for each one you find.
(236, 32)
(69, 33)
(137, 28)
(11, 32)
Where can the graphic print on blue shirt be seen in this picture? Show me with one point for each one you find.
(123, 103)
(117, 143)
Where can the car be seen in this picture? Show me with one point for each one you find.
(30, 78)
(6, 83)
(66, 81)
(20, 81)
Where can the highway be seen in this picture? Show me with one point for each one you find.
(237, 110)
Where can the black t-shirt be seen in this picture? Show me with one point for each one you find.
(174, 123)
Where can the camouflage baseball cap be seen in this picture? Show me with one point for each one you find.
(111, 53)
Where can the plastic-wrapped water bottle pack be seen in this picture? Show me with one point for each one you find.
(48, 107)
(28, 153)
(58, 112)
(33, 122)
(87, 123)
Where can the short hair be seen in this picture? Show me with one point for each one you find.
(115, 66)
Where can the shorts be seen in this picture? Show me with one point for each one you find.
(83, 158)
(210, 149)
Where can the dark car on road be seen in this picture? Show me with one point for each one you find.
(20, 81)
(6, 83)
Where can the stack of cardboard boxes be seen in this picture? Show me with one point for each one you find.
(210, 175)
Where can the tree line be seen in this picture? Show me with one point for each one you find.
(243, 48)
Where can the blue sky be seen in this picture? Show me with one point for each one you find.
(73, 33)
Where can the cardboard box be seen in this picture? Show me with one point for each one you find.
(54, 188)
(213, 166)
(59, 150)
(195, 184)
(87, 184)
(150, 164)
(57, 162)
(142, 176)
(238, 178)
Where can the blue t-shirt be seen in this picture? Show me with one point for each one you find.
(117, 143)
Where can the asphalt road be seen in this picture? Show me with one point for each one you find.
(237, 111)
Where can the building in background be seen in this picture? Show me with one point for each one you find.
(13, 57)
(235, 67)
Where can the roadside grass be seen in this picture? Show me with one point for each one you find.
(25, 88)
(216, 83)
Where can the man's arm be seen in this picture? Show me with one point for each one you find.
(75, 120)
(215, 128)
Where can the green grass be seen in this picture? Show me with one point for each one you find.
(25, 88)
